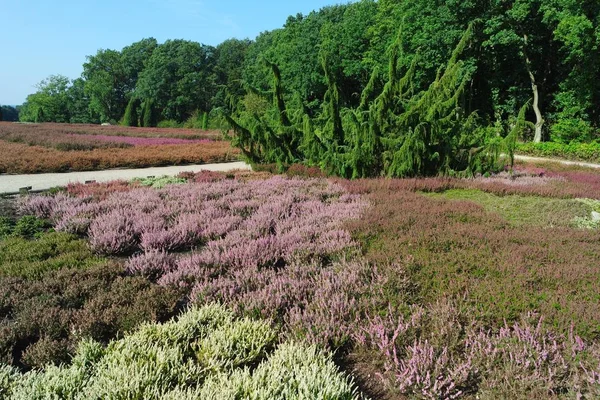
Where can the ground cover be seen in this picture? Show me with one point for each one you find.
(18, 158)
(36, 148)
(206, 353)
(445, 295)
(525, 211)
(589, 152)
(52, 129)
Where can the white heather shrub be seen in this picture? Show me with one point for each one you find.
(236, 344)
(206, 353)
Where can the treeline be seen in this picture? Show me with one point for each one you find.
(542, 54)
(142, 84)
(9, 113)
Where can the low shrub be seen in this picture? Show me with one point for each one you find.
(42, 320)
(19, 158)
(170, 123)
(204, 354)
(6, 227)
(572, 151)
(159, 182)
(32, 259)
(438, 352)
(29, 226)
(457, 249)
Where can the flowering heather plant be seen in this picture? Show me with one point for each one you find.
(138, 141)
(204, 354)
(229, 223)
(20, 158)
(99, 190)
(522, 360)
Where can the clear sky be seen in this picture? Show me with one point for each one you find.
(45, 37)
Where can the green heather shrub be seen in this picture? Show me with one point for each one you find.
(8, 379)
(31, 259)
(29, 226)
(574, 150)
(588, 222)
(161, 361)
(6, 227)
(159, 182)
(169, 123)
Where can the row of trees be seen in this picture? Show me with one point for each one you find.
(9, 113)
(320, 69)
(153, 81)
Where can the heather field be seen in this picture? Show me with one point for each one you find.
(38, 148)
(249, 285)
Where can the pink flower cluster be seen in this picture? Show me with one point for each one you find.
(436, 353)
(140, 141)
(226, 224)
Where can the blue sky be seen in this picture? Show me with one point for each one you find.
(44, 37)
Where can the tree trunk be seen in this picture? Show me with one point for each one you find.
(539, 120)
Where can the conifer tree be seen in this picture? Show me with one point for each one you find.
(148, 114)
(131, 115)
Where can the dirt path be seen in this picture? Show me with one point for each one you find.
(12, 183)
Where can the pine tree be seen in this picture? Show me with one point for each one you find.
(396, 133)
(131, 115)
(148, 114)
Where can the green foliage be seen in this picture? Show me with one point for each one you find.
(396, 133)
(32, 258)
(179, 79)
(29, 226)
(8, 113)
(572, 151)
(131, 114)
(160, 182)
(149, 117)
(51, 102)
(200, 355)
(169, 123)
(523, 211)
(6, 227)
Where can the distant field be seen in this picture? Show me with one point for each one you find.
(38, 148)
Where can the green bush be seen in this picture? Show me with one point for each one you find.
(571, 129)
(32, 259)
(159, 182)
(169, 123)
(574, 150)
(6, 227)
(169, 361)
(29, 226)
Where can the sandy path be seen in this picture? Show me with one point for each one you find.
(12, 183)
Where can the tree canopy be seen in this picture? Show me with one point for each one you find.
(317, 82)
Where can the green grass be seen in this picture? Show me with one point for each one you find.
(524, 210)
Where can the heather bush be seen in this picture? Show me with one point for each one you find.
(29, 226)
(159, 182)
(440, 352)
(176, 360)
(230, 223)
(6, 227)
(456, 248)
(42, 319)
(322, 305)
(32, 259)
(98, 190)
(19, 158)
